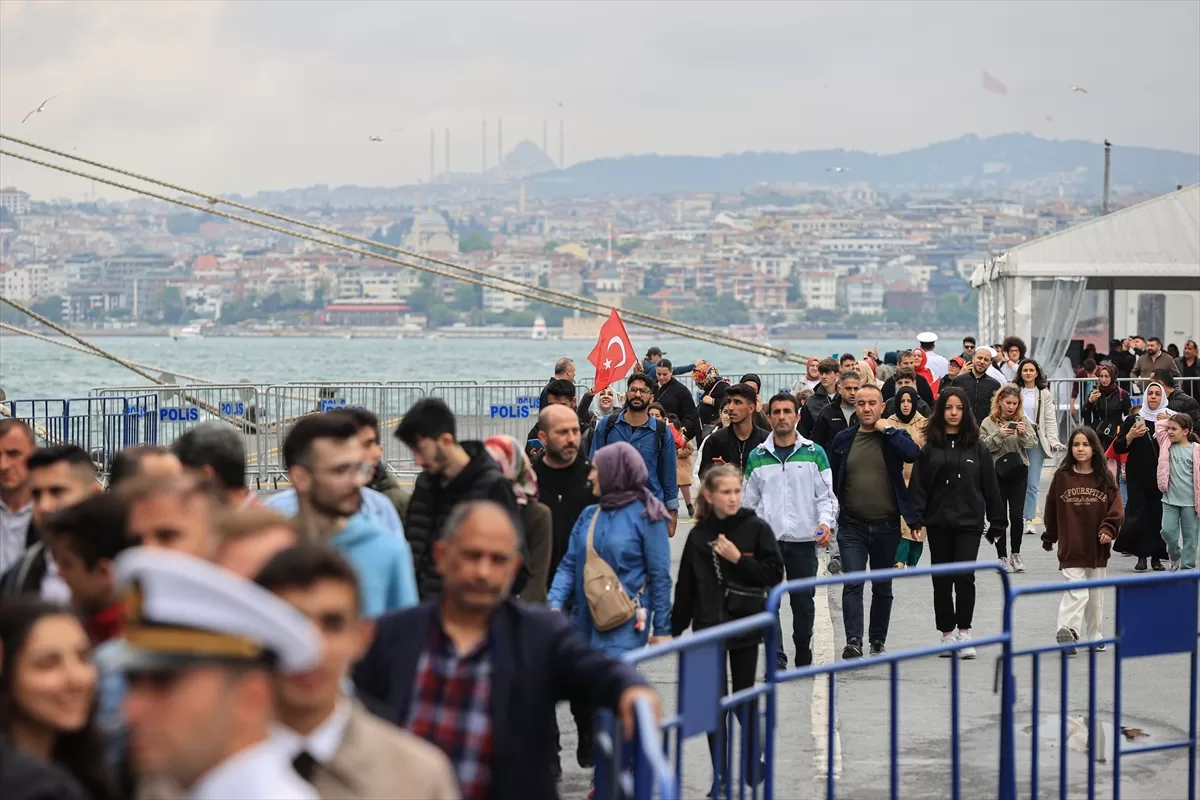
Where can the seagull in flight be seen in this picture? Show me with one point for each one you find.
(837, 169)
(374, 138)
(39, 109)
(1079, 89)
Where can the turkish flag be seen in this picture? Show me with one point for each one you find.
(613, 354)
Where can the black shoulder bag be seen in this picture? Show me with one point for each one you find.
(740, 601)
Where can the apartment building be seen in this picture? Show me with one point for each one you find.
(818, 290)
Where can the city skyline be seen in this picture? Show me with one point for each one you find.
(241, 97)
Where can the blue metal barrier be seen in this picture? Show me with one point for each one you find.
(100, 425)
(775, 676)
(1142, 630)
(653, 763)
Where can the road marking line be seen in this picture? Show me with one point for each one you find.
(823, 653)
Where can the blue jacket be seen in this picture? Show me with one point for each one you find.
(536, 660)
(375, 505)
(898, 449)
(649, 367)
(658, 451)
(386, 579)
(639, 552)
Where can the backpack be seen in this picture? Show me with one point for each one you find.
(603, 430)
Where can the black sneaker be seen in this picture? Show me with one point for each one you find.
(852, 650)
(781, 662)
(1157, 565)
(691, 510)
(804, 658)
(1140, 566)
(584, 754)
(877, 648)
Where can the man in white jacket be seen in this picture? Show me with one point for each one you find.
(790, 487)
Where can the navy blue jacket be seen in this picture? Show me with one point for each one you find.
(537, 660)
(898, 449)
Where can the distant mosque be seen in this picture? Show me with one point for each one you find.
(430, 233)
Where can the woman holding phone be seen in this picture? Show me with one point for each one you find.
(1141, 533)
(1009, 436)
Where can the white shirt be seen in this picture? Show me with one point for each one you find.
(14, 526)
(1029, 399)
(1010, 371)
(937, 365)
(54, 588)
(998, 375)
(261, 772)
(323, 743)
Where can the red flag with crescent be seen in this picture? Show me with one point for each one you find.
(613, 355)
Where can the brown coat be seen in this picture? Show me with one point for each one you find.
(916, 429)
(683, 467)
(378, 760)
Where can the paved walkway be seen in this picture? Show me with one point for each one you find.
(1155, 701)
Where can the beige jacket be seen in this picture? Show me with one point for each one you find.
(916, 429)
(378, 760)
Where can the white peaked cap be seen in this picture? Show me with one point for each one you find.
(181, 610)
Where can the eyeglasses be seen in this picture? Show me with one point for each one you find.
(639, 391)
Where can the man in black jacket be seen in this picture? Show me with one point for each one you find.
(528, 659)
(1177, 400)
(558, 392)
(59, 476)
(734, 443)
(838, 416)
(978, 385)
(673, 396)
(453, 472)
(905, 376)
(822, 396)
(908, 361)
(563, 485)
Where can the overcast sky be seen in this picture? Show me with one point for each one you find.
(241, 96)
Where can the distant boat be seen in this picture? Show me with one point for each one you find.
(539, 328)
(193, 331)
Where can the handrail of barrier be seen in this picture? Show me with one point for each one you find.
(650, 767)
(1191, 744)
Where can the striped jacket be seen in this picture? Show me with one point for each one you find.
(793, 496)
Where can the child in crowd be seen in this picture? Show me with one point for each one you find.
(685, 452)
(1083, 514)
(1179, 481)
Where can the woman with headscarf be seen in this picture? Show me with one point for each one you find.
(628, 531)
(535, 516)
(866, 373)
(923, 371)
(908, 418)
(710, 396)
(1141, 533)
(812, 376)
(1106, 405)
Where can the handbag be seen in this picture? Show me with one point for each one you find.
(610, 605)
(1007, 464)
(739, 601)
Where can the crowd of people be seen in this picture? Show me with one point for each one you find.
(172, 634)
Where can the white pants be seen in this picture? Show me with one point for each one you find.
(1082, 610)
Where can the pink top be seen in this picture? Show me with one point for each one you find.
(1164, 462)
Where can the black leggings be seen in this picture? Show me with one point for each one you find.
(743, 664)
(1012, 491)
(953, 595)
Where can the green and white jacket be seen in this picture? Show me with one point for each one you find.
(792, 496)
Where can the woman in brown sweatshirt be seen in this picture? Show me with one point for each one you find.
(1083, 515)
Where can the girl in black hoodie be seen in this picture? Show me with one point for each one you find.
(953, 487)
(729, 557)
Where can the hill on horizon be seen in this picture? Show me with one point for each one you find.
(966, 162)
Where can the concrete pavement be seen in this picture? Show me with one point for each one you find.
(1155, 702)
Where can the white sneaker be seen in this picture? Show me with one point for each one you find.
(967, 653)
(1017, 564)
(1007, 566)
(1172, 566)
(948, 638)
(1029, 529)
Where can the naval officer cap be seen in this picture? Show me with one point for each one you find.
(181, 611)
(928, 337)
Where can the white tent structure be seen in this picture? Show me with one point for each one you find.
(1135, 271)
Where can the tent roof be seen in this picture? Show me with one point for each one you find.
(1157, 238)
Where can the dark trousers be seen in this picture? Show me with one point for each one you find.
(743, 663)
(953, 595)
(585, 724)
(1012, 491)
(799, 561)
(866, 543)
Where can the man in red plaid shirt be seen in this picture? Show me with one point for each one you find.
(479, 674)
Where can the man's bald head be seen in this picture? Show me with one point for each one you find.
(478, 556)
(558, 431)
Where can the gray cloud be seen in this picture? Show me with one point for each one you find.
(238, 96)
